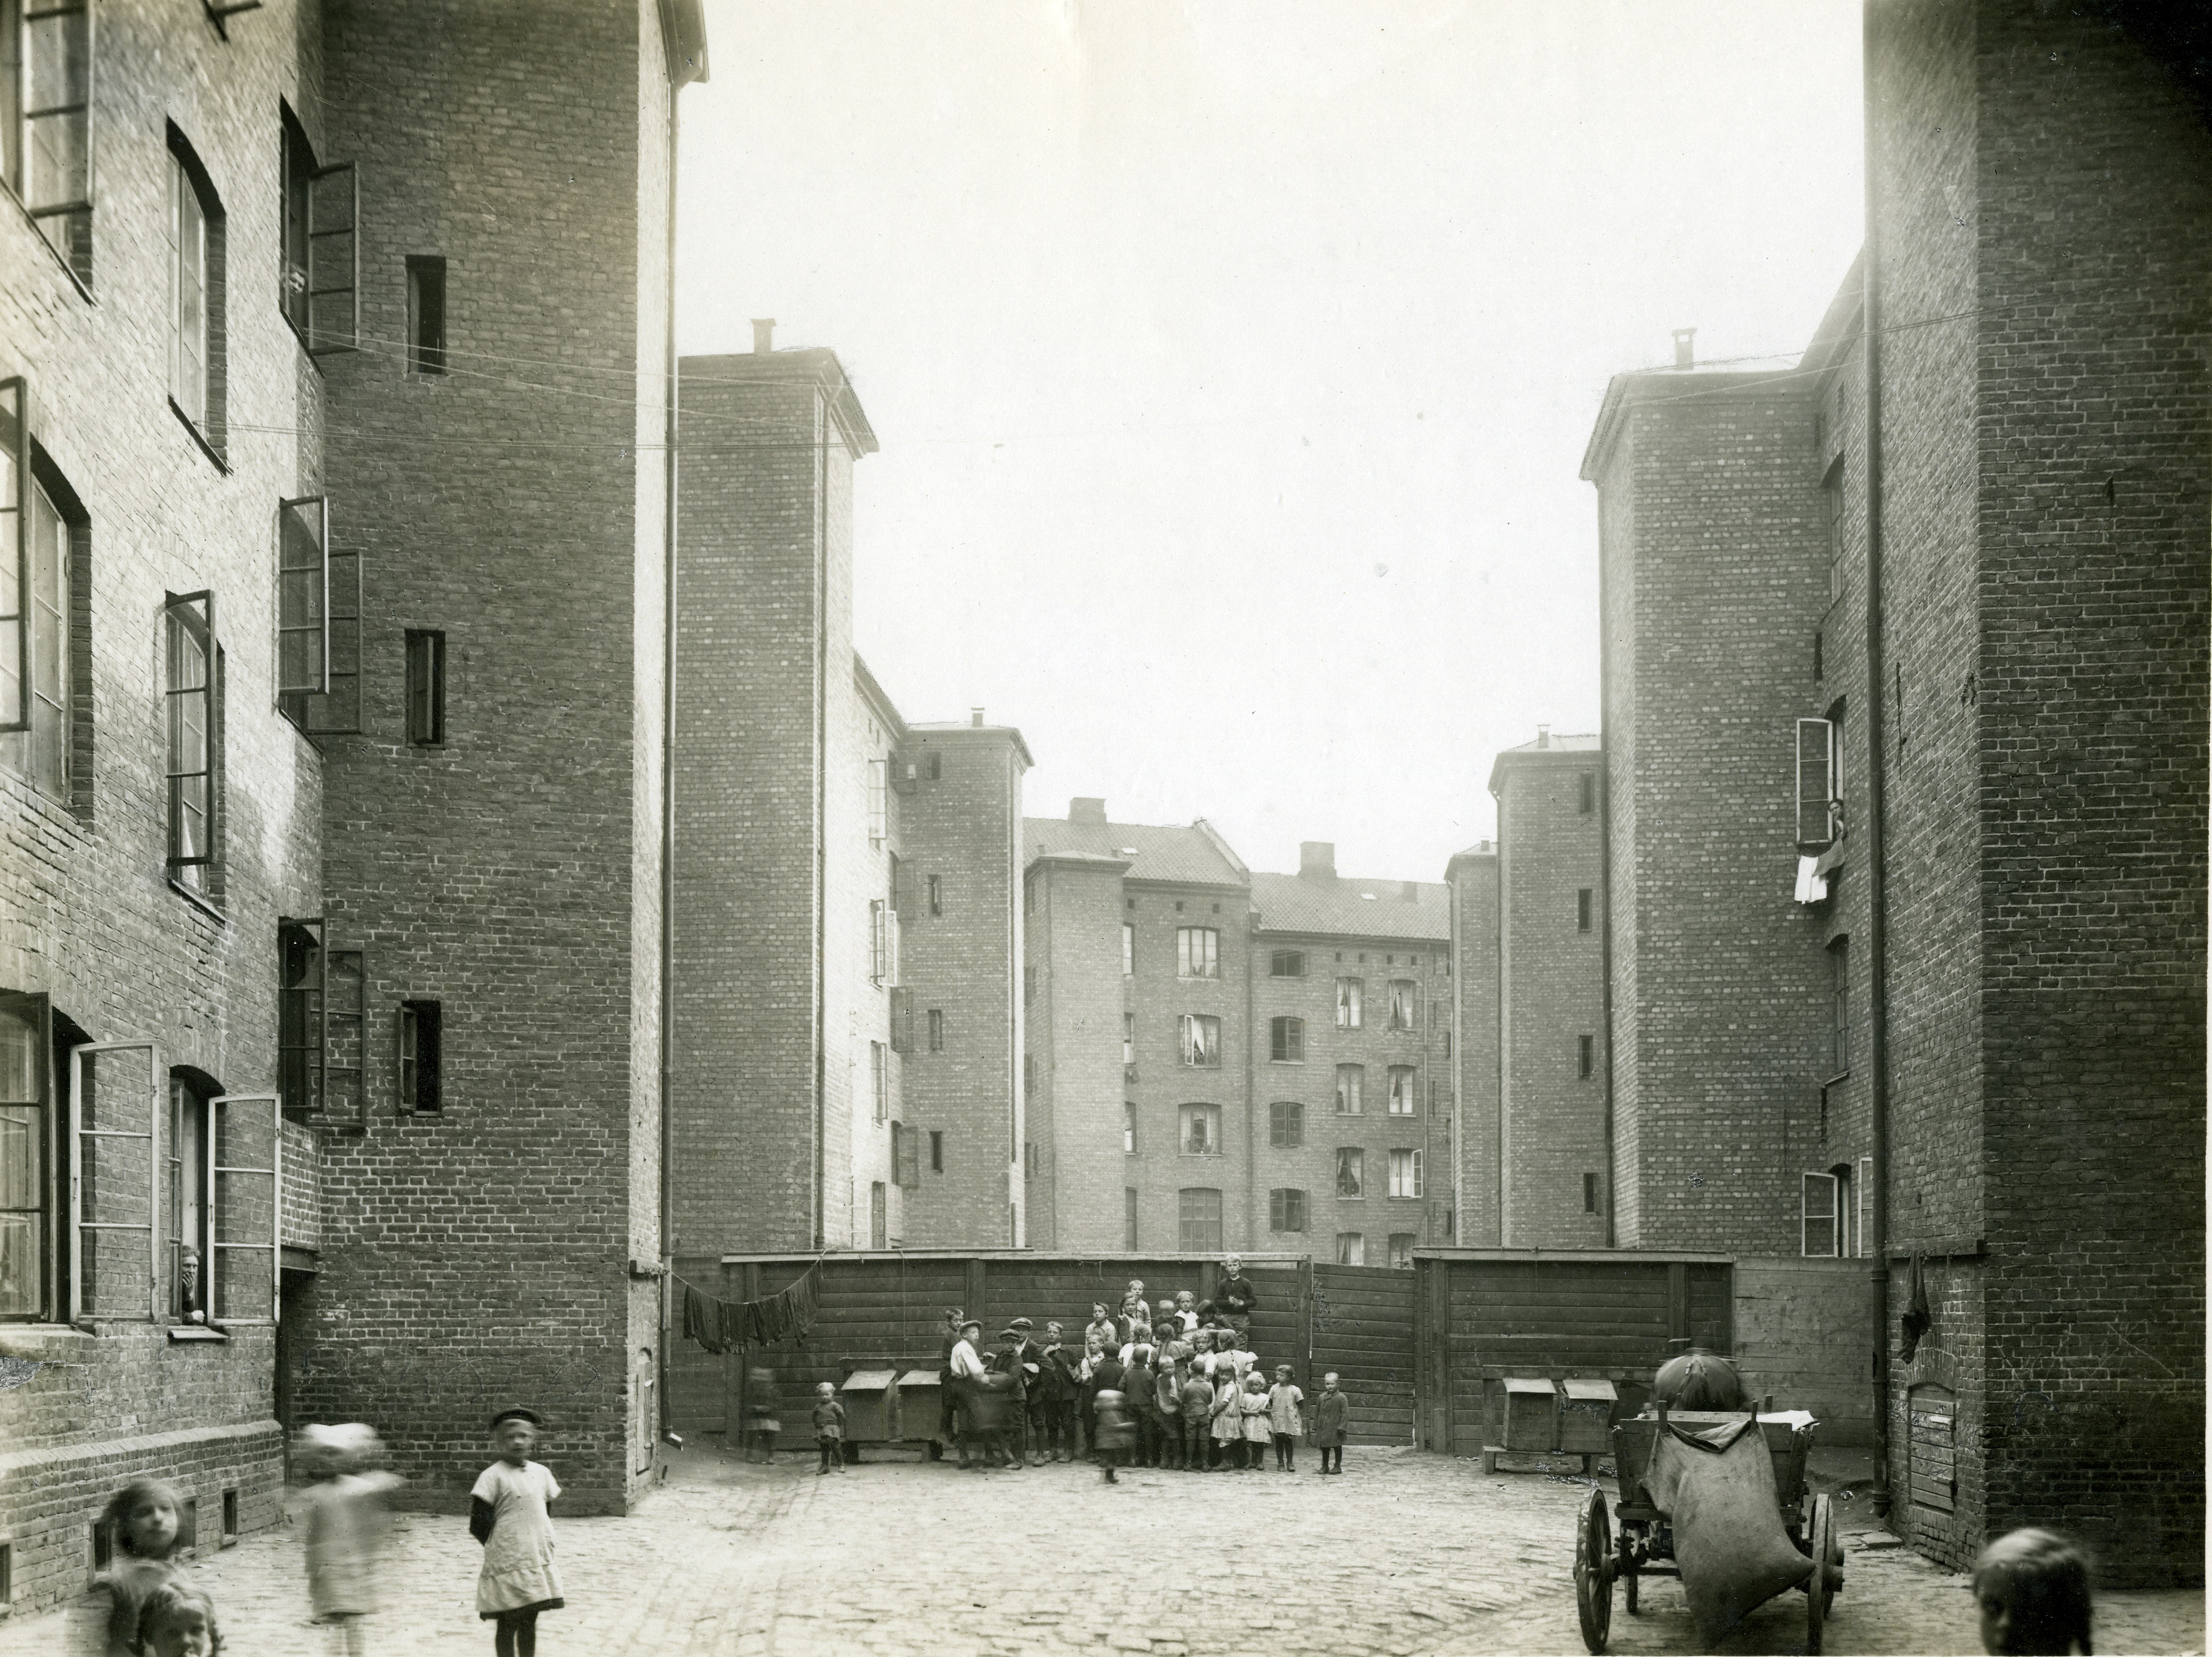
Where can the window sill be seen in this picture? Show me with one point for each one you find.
(185, 1334)
(1286, 1061)
(200, 437)
(1200, 1156)
(197, 901)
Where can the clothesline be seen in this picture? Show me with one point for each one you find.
(718, 1325)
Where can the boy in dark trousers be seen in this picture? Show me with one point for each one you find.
(1197, 1418)
(1057, 1387)
(829, 1428)
(1167, 1398)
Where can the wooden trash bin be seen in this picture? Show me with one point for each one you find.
(867, 1396)
(1532, 1420)
(1586, 1418)
(920, 1404)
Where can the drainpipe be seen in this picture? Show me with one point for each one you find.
(1877, 902)
(668, 768)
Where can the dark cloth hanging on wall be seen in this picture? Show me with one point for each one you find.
(788, 1315)
(1916, 1316)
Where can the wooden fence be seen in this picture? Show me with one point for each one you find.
(1483, 1314)
(887, 1310)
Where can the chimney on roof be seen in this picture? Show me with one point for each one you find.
(1543, 737)
(1485, 846)
(1087, 810)
(976, 717)
(1684, 357)
(1317, 860)
(763, 335)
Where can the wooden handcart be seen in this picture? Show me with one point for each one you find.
(1645, 1544)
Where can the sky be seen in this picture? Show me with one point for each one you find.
(1233, 360)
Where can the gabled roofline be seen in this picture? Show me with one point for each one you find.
(1228, 852)
(871, 689)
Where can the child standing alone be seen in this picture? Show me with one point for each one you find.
(829, 1428)
(1283, 1402)
(344, 1524)
(506, 1513)
(1330, 1410)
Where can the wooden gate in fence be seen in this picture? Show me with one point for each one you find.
(886, 1310)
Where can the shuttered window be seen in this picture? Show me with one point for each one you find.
(1286, 1040)
(1931, 1456)
(1286, 1124)
(1286, 1209)
(28, 1147)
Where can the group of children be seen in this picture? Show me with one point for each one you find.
(154, 1610)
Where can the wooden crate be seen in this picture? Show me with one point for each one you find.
(1532, 1414)
(1586, 1416)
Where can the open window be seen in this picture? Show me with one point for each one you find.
(319, 1013)
(1819, 799)
(318, 621)
(192, 748)
(115, 1096)
(1818, 1216)
(244, 1193)
(321, 270)
(45, 127)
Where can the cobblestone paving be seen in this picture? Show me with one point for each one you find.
(1405, 1555)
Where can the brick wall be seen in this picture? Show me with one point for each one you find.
(2059, 817)
(1716, 572)
(476, 1258)
(962, 826)
(1474, 879)
(1552, 990)
(749, 747)
(87, 915)
(1073, 923)
(1376, 1215)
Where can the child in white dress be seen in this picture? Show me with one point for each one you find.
(506, 1513)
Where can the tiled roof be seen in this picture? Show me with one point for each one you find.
(1348, 908)
(1186, 855)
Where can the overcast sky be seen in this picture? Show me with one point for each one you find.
(1233, 359)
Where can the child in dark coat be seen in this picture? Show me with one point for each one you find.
(1330, 1411)
(829, 1428)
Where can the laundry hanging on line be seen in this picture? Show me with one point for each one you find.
(719, 1325)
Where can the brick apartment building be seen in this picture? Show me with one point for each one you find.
(316, 800)
(1905, 796)
(1531, 1159)
(1261, 1058)
(847, 946)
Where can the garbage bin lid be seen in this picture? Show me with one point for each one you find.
(870, 1380)
(1590, 1386)
(918, 1378)
(1527, 1383)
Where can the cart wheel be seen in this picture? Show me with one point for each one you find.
(1594, 1571)
(1826, 1571)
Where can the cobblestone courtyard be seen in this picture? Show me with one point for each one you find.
(1404, 1554)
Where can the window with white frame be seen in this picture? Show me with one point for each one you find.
(1200, 1040)
(1403, 1097)
(1403, 997)
(1129, 1127)
(318, 289)
(1349, 995)
(1286, 1040)
(1286, 1209)
(880, 1080)
(878, 802)
(1350, 1171)
(1128, 1039)
(1286, 1124)
(318, 633)
(1201, 1129)
(1198, 952)
(46, 128)
(1286, 964)
(1817, 1216)
(1351, 1248)
(1401, 1250)
(881, 963)
(1351, 1089)
(1404, 1173)
(1128, 948)
(38, 692)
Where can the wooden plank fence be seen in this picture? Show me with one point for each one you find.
(1487, 1313)
(886, 1308)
